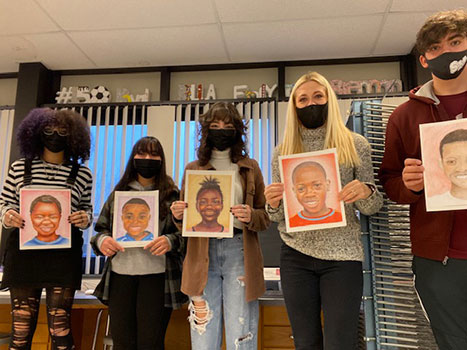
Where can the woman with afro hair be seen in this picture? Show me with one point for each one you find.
(54, 145)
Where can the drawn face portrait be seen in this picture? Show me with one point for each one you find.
(135, 218)
(209, 205)
(310, 187)
(454, 162)
(45, 218)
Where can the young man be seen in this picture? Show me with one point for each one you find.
(135, 217)
(439, 239)
(310, 185)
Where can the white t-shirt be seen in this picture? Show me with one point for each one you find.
(445, 201)
(221, 161)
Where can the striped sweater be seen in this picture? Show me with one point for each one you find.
(47, 175)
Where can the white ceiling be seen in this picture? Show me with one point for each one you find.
(136, 33)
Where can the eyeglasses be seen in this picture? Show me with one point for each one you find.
(49, 130)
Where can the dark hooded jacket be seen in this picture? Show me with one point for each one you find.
(429, 231)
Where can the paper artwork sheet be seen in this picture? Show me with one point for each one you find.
(444, 157)
(136, 217)
(312, 184)
(46, 213)
(209, 195)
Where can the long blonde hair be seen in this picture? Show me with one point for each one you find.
(337, 134)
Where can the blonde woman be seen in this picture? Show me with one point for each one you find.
(322, 269)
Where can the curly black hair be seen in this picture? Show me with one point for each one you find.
(210, 184)
(227, 113)
(78, 140)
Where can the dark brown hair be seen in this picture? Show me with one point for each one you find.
(459, 135)
(163, 182)
(227, 113)
(440, 24)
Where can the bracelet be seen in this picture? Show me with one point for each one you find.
(372, 188)
(271, 210)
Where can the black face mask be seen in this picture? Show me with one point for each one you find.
(221, 139)
(449, 65)
(313, 116)
(54, 143)
(148, 168)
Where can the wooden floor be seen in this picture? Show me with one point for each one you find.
(274, 332)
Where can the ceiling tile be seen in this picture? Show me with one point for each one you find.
(302, 40)
(274, 10)
(108, 14)
(57, 51)
(398, 34)
(7, 66)
(17, 49)
(23, 16)
(153, 47)
(426, 5)
(54, 50)
(117, 33)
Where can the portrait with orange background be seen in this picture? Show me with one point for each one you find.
(328, 160)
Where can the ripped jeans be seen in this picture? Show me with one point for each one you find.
(224, 299)
(25, 310)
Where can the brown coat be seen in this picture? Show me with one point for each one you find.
(196, 264)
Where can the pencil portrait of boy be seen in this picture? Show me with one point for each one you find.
(135, 217)
(46, 215)
(444, 157)
(312, 185)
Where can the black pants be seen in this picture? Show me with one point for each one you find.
(25, 309)
(138, 318)
(310, 285)
(443, 293)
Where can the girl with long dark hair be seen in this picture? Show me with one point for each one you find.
(224, 277)
(141, 286)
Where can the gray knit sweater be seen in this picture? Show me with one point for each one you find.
(339, 243)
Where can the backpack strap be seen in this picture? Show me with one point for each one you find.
(72, 177)
(27, 172)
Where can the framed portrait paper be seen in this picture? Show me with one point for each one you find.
(136, 217)
(46, 213)
(311, 187)
(444, 157)
(209, 195)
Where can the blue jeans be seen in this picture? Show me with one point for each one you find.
(224, 299)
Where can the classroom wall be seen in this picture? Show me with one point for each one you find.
(223, 80)
(134, 82)
(346, 72)
(8, 92)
